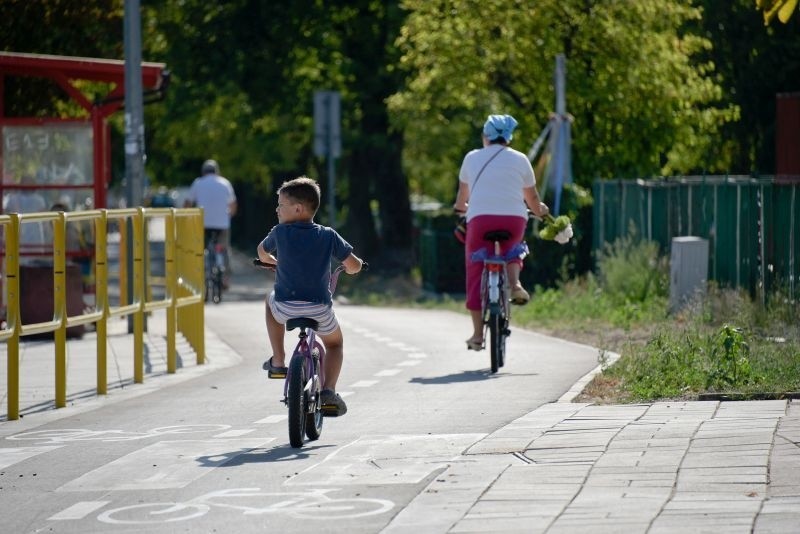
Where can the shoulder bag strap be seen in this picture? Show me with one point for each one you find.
(472, 189)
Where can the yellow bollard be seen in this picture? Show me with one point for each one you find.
(12, 316)
(60, 307)
(101, 299)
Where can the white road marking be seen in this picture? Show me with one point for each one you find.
(384, 339)
(418, 355)
(409, 363)
(397, 344)
(163, 465)
(387, 459)
(12, 455)
(79, 510)
(373, 335)
(271, 419)
(387, 372)
(235, 433)
(344, 394)
(364, 384)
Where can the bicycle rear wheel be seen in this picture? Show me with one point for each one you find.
(496, 339)
(296, 400)
(216, 285)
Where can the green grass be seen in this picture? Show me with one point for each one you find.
(725, 344)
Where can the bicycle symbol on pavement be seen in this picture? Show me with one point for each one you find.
(313, 504)
(66, 435)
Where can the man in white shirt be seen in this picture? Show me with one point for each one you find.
(215, 195)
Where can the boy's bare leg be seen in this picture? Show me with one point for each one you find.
(276, 331)
(334, 355)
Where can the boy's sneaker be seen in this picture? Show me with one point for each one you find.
(332, 404)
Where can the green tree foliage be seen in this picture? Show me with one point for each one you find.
(753, 63)
(642, 105)
(244, 75)
(89, 28)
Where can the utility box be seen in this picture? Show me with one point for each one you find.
(688, 270)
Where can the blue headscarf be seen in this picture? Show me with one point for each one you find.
(499, 126)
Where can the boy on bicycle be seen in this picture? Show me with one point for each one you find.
(301, 251)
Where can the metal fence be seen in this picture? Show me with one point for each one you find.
(181, 293)
(752, 224)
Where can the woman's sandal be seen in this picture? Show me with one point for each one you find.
(474, 344)
(274, 371)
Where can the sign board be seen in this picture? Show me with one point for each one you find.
(327, 124)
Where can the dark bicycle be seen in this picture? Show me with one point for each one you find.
(214, 261)
(495, 291)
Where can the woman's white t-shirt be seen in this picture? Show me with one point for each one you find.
(499, 189)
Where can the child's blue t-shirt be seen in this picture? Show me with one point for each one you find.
(304, 251)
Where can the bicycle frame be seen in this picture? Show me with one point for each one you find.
(305, 345)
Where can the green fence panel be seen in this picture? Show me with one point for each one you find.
(753, 225)
(441, 261)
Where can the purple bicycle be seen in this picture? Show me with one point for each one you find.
(302, 389)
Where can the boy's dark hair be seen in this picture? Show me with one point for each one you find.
(303, 190)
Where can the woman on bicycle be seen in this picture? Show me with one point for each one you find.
(496, 187)
(302, 251)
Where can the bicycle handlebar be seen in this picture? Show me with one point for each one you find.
(271, 266)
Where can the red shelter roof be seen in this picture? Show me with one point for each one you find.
(64, 71)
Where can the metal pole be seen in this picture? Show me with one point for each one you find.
(331, 192)
(134, 126)
(330, 152)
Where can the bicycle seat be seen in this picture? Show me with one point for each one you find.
(497, 235)
(301, 322)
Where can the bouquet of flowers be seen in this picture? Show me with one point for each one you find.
(558, 229)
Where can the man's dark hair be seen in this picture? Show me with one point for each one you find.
(303, 190)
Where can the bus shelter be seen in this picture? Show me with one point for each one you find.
(63, 163)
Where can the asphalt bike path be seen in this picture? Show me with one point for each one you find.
(432, 442)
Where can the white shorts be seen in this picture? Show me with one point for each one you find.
(291, 309)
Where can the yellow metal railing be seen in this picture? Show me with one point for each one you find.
(183, 282)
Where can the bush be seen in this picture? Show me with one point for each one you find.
(633, 270)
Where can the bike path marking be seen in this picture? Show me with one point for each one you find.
(163, 465)
(386, 459)
(79, 510)
(12, 455)
(271, 419)
(235, 433)
(363, 384)
(388, 372)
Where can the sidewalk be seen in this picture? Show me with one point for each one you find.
(37, 369)
(667, 467)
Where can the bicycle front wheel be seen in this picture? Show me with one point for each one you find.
(296, 401)
(314, 414)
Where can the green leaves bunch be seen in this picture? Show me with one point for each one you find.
(554, 226)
